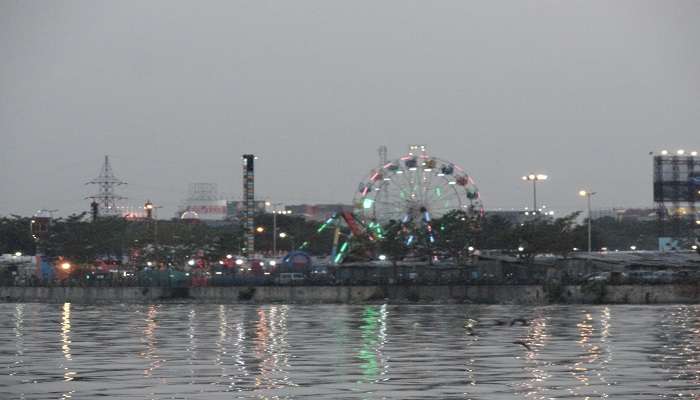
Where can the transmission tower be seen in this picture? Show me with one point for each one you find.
(106, 199)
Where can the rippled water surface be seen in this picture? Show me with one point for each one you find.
(186, 351)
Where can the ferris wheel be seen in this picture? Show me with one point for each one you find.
(416, 189)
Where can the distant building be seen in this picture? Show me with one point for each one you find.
(625, 214)
(204, 200)
(512, 216)
(318, 212)
(190, 217)
(235, 209)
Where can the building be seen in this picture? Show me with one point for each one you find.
(204, 200)
(318, 212)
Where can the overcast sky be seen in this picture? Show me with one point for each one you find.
(176, 91)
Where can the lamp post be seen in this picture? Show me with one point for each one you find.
(284, 235)
(587, 194)
(275, 211)
(534, 178)
(149, 208)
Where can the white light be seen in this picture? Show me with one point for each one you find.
(283, 235)
(583, 193)
(273, 263)
(18, 254)
(693, 153)
(190, 262)
(229, 256)
(694, 247)
(680, 152)
(221, 262)
(633, 248)
(664, 152)
(65, 266)
(521, 248)
(150, 264)
(239, 261)
(452, 183)
(604, 249)
(218, 272)
(575, 248)
(382, 257)
(470, 248)
(541, 177)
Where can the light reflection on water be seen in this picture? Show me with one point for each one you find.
(338, 351)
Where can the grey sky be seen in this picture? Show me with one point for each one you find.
(176, 91)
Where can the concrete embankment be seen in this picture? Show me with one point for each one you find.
(482, 294)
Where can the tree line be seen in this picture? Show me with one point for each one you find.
(79, 239)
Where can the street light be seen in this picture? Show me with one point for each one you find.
(587, 194)
(276, 210)
(534, 178)
(284, 235)
(149, 209)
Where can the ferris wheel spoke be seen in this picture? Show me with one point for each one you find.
(403, 192)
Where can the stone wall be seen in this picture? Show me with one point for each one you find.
(486, 294)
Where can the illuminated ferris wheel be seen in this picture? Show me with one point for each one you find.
(415, 189)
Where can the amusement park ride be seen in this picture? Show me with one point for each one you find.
(412, 190)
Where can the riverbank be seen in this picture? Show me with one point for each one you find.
(479, 294)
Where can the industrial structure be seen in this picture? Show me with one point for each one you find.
(204, 199)
(249, 200)
(676, 194)
(104, 202)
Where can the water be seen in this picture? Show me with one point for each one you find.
(186, 351)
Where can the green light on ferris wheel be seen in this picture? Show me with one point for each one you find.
(367, 203)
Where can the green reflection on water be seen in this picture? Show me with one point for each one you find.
(370, 339)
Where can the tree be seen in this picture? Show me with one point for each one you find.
(543, 235)
(15, 235)
(456, 233)
(393, 242)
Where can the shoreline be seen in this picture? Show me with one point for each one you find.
(396, 294)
